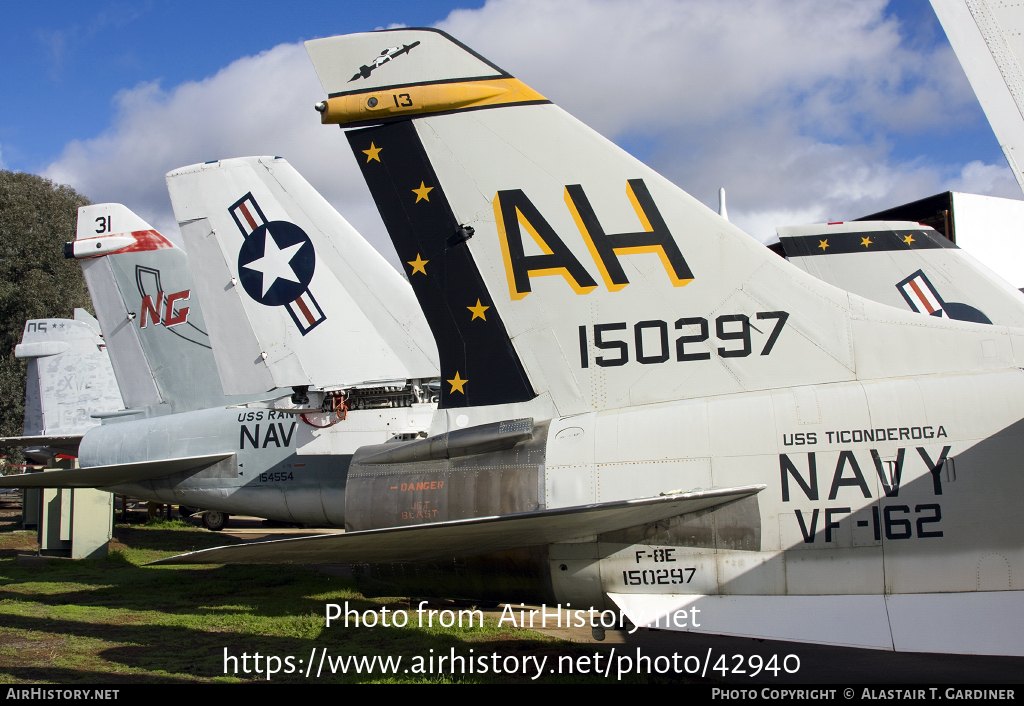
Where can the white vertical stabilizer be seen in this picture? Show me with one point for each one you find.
(551, 263)
(69, 376)
(294, 294)
(987, 38)
(150, 317)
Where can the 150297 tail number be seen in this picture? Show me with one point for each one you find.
(651, 339)
(658, 577)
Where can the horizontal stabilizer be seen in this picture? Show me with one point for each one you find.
(61, 441)
(104, 476)
(481, 535)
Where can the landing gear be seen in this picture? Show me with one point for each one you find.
(215, 520)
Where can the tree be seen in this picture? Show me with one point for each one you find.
(36, 218)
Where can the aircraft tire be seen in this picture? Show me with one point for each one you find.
(215, 520)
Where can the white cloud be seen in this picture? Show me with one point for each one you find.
(259, 105)
(793, 106)
(668, 64)
(979, 178)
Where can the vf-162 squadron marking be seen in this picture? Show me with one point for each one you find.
(894, 519)
(895, 527)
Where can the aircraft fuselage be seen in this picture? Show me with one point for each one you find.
(282, 469)
(892, 502)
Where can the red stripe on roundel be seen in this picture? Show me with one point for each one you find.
(922, 297)
(305, 310)
(248, 216)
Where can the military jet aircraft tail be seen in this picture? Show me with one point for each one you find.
(905, 265)
(148, 310)
(294, 295)
(604, 337)
(556, 269)
(70, 383)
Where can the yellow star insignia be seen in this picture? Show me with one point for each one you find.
(823, 244)
(865, 242)
(457, 384)
(372, 153)
(909, 239)
(421, 193)
(478, 311)
(418, 265)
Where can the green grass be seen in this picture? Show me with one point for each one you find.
(161, 523)
(114, 620)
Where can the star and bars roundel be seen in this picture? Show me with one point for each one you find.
(276, 264)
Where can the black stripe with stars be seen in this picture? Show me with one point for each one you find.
(479, 366)
(874, 241)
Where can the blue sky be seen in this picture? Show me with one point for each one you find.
(65, 61)
(805, 111)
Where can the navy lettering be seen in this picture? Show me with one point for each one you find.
(271, 436)
(786, 467)
(847, 457)
(934, 468)
(890, 481)
(254, 440)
